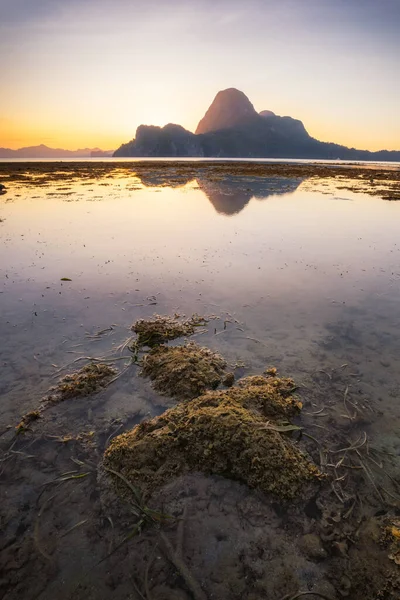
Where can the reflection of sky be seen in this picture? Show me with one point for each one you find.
(287, 266)
(77, 73)
(291, 247)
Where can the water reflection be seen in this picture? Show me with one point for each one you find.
(228, 195)
(161, 179)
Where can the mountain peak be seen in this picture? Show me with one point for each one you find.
(230, 108)
(267, 113)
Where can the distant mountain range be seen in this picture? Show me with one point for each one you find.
(43, 151)
(231, 128)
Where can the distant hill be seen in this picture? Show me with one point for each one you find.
(43, 151)
(231, 128)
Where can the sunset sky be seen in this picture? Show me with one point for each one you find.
(86, 73)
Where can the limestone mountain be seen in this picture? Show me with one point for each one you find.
(231, 128)
(230, 109)
(266, 114)
(171, 140)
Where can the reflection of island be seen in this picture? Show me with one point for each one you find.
(162, 179)
(228, 194)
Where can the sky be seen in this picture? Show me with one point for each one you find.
(86, 73)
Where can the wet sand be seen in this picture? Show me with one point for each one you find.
(317, 300)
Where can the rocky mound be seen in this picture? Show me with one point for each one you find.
(183, 372)
(223, 433)
(162, 329)
(88, 380)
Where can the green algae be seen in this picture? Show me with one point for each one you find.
(224, 433)
(183, 372)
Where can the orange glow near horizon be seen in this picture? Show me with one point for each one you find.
(15, 136)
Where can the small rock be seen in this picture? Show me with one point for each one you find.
(109, 581)
(345, 586)
(325, 588)
(340, 548)
(229, 380)
(312, 546)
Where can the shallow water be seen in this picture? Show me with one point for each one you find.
(300, 274)
(299, 265)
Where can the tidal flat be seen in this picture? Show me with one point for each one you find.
(286, 278)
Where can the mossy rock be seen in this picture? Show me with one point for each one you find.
(162, 329)
(272, 396)
(183, 372)
(88, 380)
(224, 433)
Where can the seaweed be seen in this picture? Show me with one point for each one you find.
(24, 424)
(391, 538)
(224, 433)
(183, 372)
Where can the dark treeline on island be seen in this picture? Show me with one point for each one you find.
(231, 128)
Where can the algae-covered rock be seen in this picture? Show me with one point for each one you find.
(224, 433)
(91, 378)
(269, 394)
(183, 372)
(229, 379)
(162, 329)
